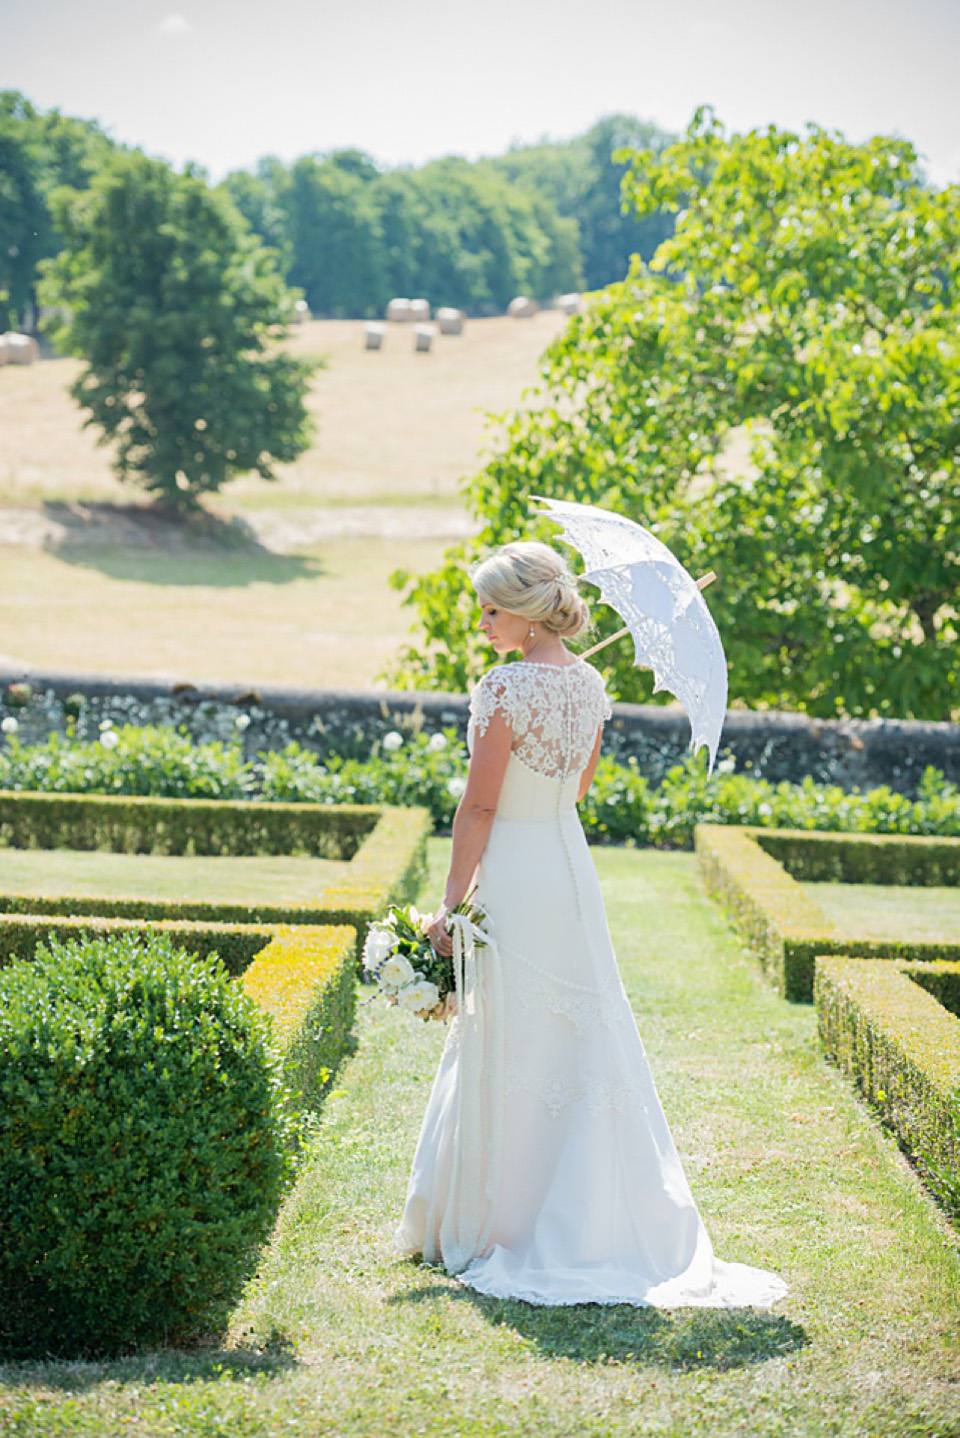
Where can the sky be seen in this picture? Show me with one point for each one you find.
(224, 82)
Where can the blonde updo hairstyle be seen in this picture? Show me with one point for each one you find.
(532, 580)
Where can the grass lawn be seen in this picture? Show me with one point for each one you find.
(337, 1337)
(877, 911)
(325, 619)
(80, 873)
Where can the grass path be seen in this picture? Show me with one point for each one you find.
(337, 1337)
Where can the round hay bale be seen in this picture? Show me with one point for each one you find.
(21, 349)
(522, 308)
(570, 304)
(373, 335)
(423, 336)
(450, 321)
(398, 310)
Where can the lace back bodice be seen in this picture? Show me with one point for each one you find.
(554, 711)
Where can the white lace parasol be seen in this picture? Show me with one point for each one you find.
(672, 628)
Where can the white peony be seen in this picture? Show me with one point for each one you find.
(242, 721)
(379, 944)
(397, 971)
(456, 786)
(109, 739)
(419, 997)
(9, 725)
(392, 741)
(437, 742)
(105, 724)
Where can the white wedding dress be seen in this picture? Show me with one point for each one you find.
(545, 1169)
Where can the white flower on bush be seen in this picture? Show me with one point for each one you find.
(105, 725)
(419, 997)
(397, 972)
(378, 945)
(392, 741)
(437, 742)
(109, 739)
(9, 725)
(242, 721)
(456, 786)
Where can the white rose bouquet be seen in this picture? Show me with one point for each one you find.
(409, 972)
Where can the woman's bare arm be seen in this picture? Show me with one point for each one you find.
(586, 778)
(472, 821)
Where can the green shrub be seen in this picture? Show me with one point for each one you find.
(155, 761)
(902, 1048)
(428, 770)
(144, 1146)
(424, 770)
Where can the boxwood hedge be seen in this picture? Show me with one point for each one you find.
(882, 1024)
(144, 1145)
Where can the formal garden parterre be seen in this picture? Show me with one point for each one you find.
(70, 1134)
(888, 1010)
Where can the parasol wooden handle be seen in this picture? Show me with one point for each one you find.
(702, 583)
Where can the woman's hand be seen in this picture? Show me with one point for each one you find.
(437, 932)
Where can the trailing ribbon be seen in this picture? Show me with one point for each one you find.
(475, 1168)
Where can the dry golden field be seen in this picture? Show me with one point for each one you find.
(88, 581)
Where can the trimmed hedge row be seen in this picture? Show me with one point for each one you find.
(865, 858)
(304, 979)
(135, 825)
(387, 868)
(779, 922)
(301, 975)
(902, 1047)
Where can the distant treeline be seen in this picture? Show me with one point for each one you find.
(540, 220)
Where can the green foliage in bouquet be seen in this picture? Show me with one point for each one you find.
(776, 395)
(399, 957)
(144, 1146)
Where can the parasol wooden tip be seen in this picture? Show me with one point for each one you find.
(706, 579)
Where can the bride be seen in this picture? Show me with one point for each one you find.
(545, 1169)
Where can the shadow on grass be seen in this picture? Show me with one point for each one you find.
(682, 1338)
(270, 1358)
(154, 545)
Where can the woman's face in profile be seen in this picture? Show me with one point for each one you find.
(504, 630)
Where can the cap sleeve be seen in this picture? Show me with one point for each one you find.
(490, 694)
(606, 708)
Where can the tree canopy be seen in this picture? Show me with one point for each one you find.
(176, 310)
(38, 153)
(778, 395)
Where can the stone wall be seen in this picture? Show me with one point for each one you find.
(852, 753)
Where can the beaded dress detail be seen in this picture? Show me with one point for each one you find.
(576, 1193)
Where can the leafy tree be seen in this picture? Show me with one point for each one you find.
(581, 180)
(333, 239)
(176, 310)
(806, 311)
(256, 194)
(38, 153)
